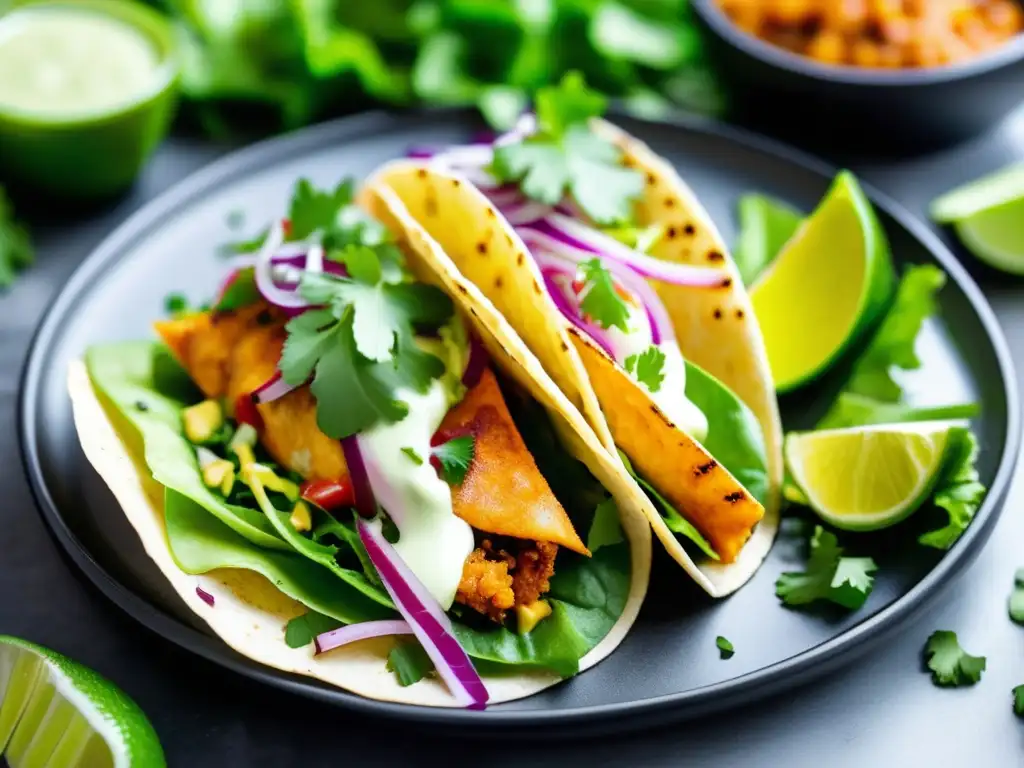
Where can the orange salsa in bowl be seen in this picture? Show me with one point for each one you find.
(892, 34)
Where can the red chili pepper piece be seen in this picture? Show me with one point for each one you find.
(329, 494)
(246, 412)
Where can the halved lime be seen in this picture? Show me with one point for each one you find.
(868, 478)
(829, 285)
(988, 215)
(56, 713)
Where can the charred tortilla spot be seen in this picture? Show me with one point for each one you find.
(565, 347)
(670, 233)
(715, 256)
(422, 173)
(519, 259)
(733, 497)
(739, 314)
(703, 469)
(718, 314)
(499, 282)
(508, 239)
(461, 288)
(670, 202)
(481, 248)
(726, 283)
(536, 287)
(455, 183)
(689, 229)
(652, 179)
(431, 206)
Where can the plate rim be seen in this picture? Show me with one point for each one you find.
(703, 700)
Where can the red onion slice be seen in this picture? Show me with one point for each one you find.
(365, 502)
(272, 389)
(265, 273)
(568, 307)
(352, 633)
(477, 362)
(429, 623)
(205, 596)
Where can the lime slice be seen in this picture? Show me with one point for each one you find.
(988, 215)
(827, 287)
(868, 478)
(56, 713)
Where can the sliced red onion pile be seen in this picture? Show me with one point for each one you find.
(428, 622)
(351, 633)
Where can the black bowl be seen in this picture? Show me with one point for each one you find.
(836, 110)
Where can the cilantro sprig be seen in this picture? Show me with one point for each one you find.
(845, 581)
(601, 302)
(566, 156)
(453, 458)
(950, 665)
(648, 367)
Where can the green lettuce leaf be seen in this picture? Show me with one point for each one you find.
(766, 225)
(957, 491)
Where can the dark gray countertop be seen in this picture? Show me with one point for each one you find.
(883, 711)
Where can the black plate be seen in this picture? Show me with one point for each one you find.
(668, 667)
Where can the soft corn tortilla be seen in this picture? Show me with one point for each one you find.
(715, 329)
(250, 613)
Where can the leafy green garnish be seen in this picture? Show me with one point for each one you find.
(411, 453)
(601, 302)
(564, 155)
(409, 662)
(1015, 604)
(648, 366)
(240, 292)
(302, 630)
(606, 528)
(16, 250)
(1018, 701)
(314, 209)
(175, 304)
(957, 491)
(454, 458)
(852, 410)
(766, 225)
(950, 664)
(845, 581)
(725, 647)
(675, 521)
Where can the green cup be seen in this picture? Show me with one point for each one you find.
(99, 154)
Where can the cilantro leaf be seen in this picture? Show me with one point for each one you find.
(16, 250)
(454, 458)
(312, 209)
(367, 396)
(409, 662)
(675, 521)
(310, 335)
(853, 410)
(411, 453)
(846, 581)
(957, 491)
(605, 529)
(647, 366)
(601, 302)
(950, 664)
(302, 630)
(566, 156)
(362, 263)
(1018, 701)
(725, 647)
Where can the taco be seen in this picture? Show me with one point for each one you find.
(350, 469)
(603, 261)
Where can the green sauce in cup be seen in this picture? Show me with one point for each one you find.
(87, 91)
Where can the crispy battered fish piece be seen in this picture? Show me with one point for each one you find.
(504, 491)
(493, 581)
(229, 354)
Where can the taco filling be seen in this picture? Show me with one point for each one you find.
(350, 405)
(574, 199)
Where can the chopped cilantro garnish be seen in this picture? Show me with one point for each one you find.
(16, 250)
(846, 581)
(725, 647)
(1018, 701)
(175, 303)
(950, 664)
(240, 292)
(409, 662)
(957, 491)
(313, 209)
(675, 521)
(411, 453)
(302, 630)
(454, 458)
(564, 155)
(601, 302)
(1015, 604)
(647, 367)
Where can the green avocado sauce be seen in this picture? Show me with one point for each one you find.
(63, 62)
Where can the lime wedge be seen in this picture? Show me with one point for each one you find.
(868, 478)
(827, 287)
(55, 713)
(988, 215)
